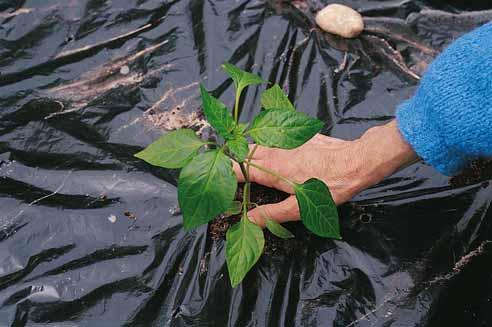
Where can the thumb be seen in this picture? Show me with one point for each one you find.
(286, 210)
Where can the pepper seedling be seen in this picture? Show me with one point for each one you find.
(207, 183)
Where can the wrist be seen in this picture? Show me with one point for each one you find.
(381, 151)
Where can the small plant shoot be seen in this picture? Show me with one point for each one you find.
(207, 183)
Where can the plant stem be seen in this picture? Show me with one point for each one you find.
(271, 172)
(250, 156)
(246, 197)
(236, 107)
(244, 171)
(246, 188)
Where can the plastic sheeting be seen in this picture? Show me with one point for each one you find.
(91, 236)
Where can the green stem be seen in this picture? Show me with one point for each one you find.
(236, 105)
(246, 188)
(244, 171)
(250, 156)
(271, 172)
(246, 197)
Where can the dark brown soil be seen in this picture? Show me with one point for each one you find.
(260, 195)
(478, 171)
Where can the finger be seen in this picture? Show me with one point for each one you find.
(255, 175)
(260, 177)
(239, 173)
(267, 179)
(260, 152)
(284, 211)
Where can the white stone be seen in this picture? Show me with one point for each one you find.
(124, 70)
(340, 20)
(112, 219)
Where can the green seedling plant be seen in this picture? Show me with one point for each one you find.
(207, 183)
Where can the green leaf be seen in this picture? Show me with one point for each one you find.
(244, 245)
(241, 78)
(278, 230)
(240, 129)
(238, 147)
(217, 114)
(207, 186)
(173, 150)
(234, 209)
(318, 210)
(275, 98)
(285, 129)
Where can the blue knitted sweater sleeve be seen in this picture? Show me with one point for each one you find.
(448, 122)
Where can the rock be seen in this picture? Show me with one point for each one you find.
(112, 218)
(124, 70)
(340, 20)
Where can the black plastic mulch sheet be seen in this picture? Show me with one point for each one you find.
(91, 236)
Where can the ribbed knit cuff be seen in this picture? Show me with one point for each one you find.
(421, 131)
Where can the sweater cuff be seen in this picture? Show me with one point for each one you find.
(419, 128)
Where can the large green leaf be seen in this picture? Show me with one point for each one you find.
(285, 129)
(217, 114)
(275, 98)
(238, 146)
(278, 230)
(318, 210)
(241, 78)
(244, 245)
(206, 188)
(173, 150)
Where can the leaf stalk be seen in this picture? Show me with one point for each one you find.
(271, 172)
(236, 105)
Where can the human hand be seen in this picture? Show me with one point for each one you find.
(347, 167)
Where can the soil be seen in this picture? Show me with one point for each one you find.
(260, 195)
(478, 171)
